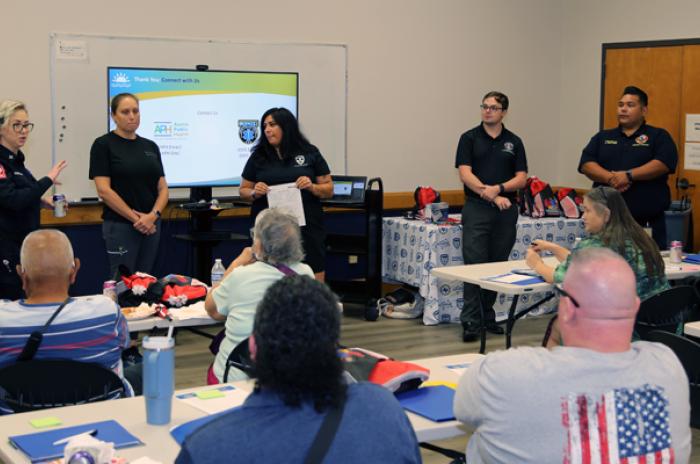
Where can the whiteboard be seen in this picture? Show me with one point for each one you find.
(79, 90)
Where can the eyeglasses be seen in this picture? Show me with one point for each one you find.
(490, 108)
(560, 290)
(19, 127)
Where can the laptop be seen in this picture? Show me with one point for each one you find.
(348, 189)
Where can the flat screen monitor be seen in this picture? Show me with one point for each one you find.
(205, 122)
(348, 189)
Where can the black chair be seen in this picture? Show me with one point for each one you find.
(688, 352)
(239, 357)
(666, 310)
(41, 384)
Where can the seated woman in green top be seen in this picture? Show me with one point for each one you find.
(609, 224)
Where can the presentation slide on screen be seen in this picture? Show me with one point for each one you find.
(205, 123)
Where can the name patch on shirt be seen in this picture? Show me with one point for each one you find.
(149, 154)
(610, 142)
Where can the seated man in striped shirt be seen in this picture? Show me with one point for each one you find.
(89, 328)
(597, 398)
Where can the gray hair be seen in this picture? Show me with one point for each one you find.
(280, 237)
(47, 253)
(8, 108)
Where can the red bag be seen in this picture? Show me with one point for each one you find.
(538, 199)
(425, 196)
(569, 202)
(396, 376)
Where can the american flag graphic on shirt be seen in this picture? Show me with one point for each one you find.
(625, 426)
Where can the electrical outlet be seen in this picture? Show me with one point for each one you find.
(352, 259)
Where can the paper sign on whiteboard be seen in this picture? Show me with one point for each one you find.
(76, 50)
(692, 156)
(692, 127)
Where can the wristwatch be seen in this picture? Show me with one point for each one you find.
(629, 175)
(501, 189)
(157, 213)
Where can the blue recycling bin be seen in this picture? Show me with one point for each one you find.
(679, 224)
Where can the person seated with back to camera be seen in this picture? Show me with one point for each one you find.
(299, 380)
(598, 398)
(277, 250)
(89, 328)
(610, 225)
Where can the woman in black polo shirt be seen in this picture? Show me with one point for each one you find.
(129, 178)
(282, 156)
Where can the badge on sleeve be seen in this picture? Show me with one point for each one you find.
(3, 174)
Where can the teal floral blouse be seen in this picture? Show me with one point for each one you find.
(647, 285)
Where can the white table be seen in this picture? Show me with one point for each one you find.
(475, 274)
(411, 249)
(159, 444)
(156, 322)
(692, 329)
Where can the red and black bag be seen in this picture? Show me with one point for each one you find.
(425, 195)
(569, 202)
(396, 376)
(538, 200)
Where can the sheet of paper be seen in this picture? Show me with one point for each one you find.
(458, 368)
(506, 278)
(287, 197)
(692, 156)
(75, 50)
(692, 127)
(225, 397)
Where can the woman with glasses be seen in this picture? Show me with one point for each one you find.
(20, 193)
(277, 251)
(610, 225)
(283, 155)
(129, 178)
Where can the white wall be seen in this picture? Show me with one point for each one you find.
(585, 26)
(417, 69)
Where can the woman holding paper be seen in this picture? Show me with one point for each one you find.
(285, 156)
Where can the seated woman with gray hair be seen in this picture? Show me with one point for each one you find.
(277, 251)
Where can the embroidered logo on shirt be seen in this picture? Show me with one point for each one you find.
(611, 142)
(149, 154)
(3, 174)
(641, 141)
(300, 160)
(508, 147)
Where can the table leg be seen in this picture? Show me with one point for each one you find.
(510, 322)
(482, 325)
(512, 317)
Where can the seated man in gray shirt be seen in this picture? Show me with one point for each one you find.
(598, 396)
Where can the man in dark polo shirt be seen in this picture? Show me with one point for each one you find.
(635, 158)
(493, 167)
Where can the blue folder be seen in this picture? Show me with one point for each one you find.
(39, 446)
(692, 258)
(434, 403)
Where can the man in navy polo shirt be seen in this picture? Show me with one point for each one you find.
(635, 158)
(493, 167)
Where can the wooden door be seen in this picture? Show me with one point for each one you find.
(666, 74)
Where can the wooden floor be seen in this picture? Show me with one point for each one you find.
(400, 339)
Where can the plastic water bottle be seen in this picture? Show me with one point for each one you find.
(217, 272)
